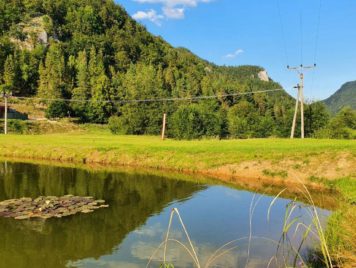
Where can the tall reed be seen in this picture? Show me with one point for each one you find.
(286, 252)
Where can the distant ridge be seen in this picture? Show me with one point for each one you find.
(345, 96)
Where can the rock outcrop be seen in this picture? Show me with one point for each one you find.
(30, 34)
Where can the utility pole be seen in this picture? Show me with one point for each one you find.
(164, 126)
(5, 95)
(5, 127)
(295, 112)
(300, 98)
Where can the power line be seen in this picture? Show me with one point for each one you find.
(301, 69)
(154, 100)
(282, 32)
(316, 41)
(301, 37)
(317, 32)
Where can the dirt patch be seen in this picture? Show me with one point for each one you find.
(324, 167)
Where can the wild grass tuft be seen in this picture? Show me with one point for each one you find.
(341, 232)
(287, 253)
(279, 173)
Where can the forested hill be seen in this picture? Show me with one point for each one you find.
(345, 96)
(93, 50)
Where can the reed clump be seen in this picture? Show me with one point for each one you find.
(287, 254)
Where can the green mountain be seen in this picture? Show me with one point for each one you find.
(97, 59)
(345, 96)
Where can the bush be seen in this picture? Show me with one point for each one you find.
(15, 126)
(117, 126)
(58, 109)
(18, 126)
(324, 133)
(240, 118)
(342, 126)
(265, 127)
(187, 123)
(238, 127)
(195, 121)
(316, 118)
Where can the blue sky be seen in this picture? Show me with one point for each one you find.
(236, 32)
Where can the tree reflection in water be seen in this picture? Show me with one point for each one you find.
(133, 198)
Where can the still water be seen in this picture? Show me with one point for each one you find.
(128, 232)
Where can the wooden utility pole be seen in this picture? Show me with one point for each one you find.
(300, 98)
(295, 112)
(5, 115)
(5, 95)
(164, 126)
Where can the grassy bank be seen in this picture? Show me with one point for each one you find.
(309, 161)
(340, 231)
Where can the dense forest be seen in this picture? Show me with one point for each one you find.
(89, 59)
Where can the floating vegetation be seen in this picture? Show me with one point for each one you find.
(46, 207)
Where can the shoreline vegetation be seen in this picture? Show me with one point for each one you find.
(264, 165)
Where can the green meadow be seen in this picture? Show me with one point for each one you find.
(196, 155)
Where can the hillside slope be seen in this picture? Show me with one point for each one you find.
(93, 54)
(345, 96)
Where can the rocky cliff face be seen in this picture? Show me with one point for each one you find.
(32, 33)
(263, 76)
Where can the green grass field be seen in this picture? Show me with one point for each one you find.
(263, 157)
(211, 151)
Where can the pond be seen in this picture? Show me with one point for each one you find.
(128, 232)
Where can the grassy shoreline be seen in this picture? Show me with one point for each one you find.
(269, 160)
(340, 231)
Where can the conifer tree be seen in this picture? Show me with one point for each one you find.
(82, 91)
(51, 84)
(43, 82)
(99, 107)
(9, 72)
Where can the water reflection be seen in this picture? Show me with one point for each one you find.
(213, 217)
(133, 199)
(128, 232)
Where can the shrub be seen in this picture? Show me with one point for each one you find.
(58, 109)
(15, 126)
(187, 123)
(342, 126)
(117, 125)
(195, 121)
(241, 118)
(342, 133)
(18, 126)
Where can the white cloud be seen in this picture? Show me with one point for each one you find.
(150, 231)
(234, 54)
(172, 3)
(150, 15)
(173, 13)
(171, 9)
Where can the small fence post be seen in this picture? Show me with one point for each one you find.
(5, 115)
(164, 126)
